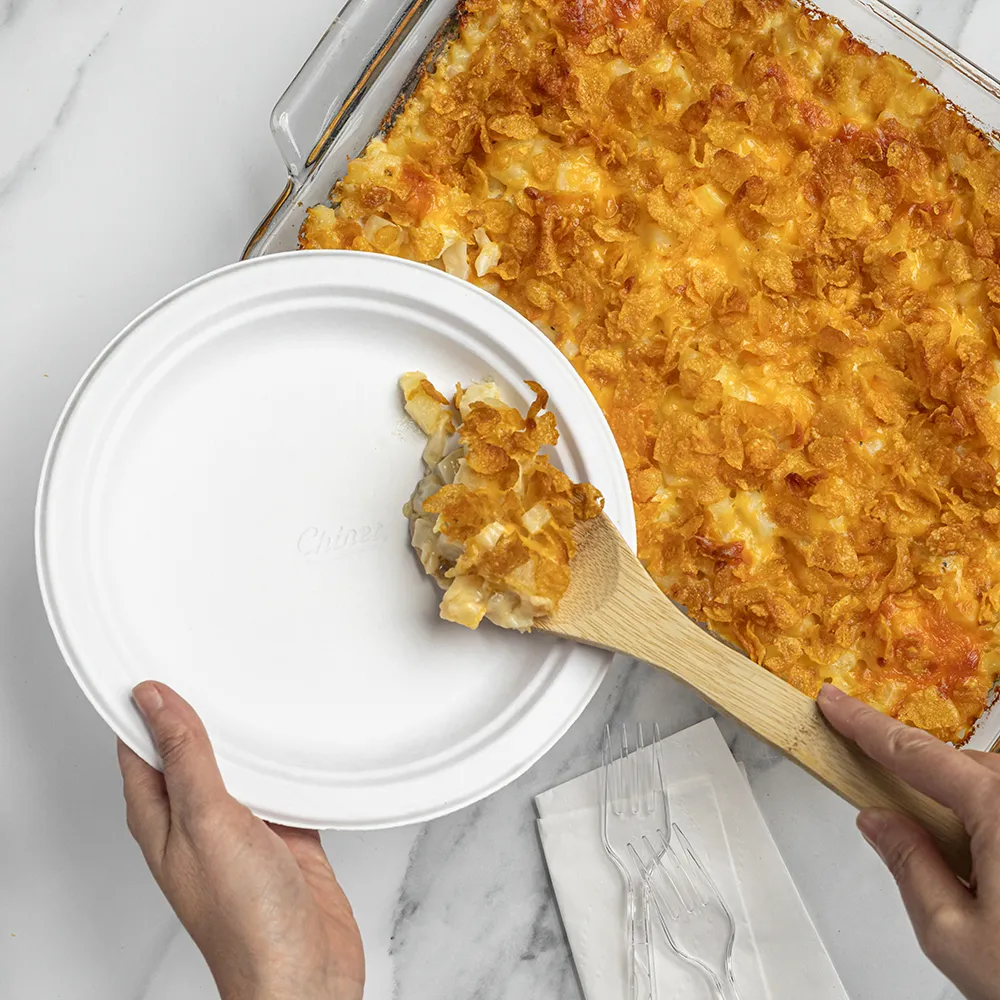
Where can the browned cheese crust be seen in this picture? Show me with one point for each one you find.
(772, 255)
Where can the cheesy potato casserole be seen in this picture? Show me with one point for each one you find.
(492, 520)
(773, 256)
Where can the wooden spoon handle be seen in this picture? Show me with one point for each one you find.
(620, 607)
(786, 718)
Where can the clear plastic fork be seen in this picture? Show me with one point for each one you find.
(633, 804)
(689, 908)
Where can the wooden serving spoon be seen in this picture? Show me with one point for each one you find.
(612, 602)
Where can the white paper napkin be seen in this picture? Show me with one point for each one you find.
(778, 954)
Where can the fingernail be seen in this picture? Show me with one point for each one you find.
(147, 696)
(830, 693)
(870, 823)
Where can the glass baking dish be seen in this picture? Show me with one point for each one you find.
(375, 52)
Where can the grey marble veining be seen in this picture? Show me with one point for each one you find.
(38, 107)
(134, 155)
(29, 158)
(9, 10)
(945, 21)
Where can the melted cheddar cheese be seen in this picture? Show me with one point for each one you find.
(773, 256)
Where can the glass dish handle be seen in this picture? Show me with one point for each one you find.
(334, 75)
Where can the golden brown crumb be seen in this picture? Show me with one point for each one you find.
(772, 255)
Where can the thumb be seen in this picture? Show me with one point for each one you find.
(190, 772)
(937, 903)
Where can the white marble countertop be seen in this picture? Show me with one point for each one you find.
(135, 155)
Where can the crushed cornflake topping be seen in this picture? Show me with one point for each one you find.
(492, 520)
(774, 256)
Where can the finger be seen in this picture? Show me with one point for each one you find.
(307, 849)
(190, 772)
(294, 833)
(921, 760)
(987, 760)
(147, 810)
(939, 906)
(305, 846)
(985, 833)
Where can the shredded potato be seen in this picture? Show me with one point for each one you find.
(773, 256)
(492, 520)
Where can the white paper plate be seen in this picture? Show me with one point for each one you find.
(220, 509)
